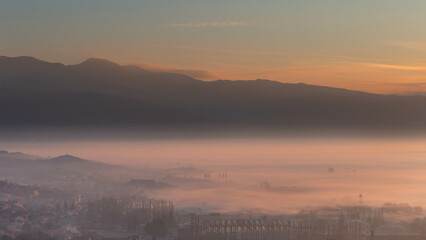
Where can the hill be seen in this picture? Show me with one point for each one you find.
(24, 168)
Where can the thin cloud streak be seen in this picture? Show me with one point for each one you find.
(208, 24)
(398, 67)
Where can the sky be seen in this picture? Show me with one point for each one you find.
(375, 46)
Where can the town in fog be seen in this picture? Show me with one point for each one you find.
(67, 197)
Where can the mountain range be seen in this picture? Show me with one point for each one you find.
(100, 93)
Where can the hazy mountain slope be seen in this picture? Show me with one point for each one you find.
(25, 160)
(19, 166)
(102, 93)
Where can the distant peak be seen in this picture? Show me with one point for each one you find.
(99, 62)
(67, 158)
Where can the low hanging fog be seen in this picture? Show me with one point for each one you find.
(262, 174)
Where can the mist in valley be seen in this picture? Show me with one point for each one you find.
(264, 175)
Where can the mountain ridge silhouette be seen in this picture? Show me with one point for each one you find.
(99, 92)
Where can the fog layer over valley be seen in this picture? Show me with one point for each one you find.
(234, 175)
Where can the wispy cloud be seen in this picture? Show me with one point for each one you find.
(208, 24)
(419, 46)
(397, 67)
